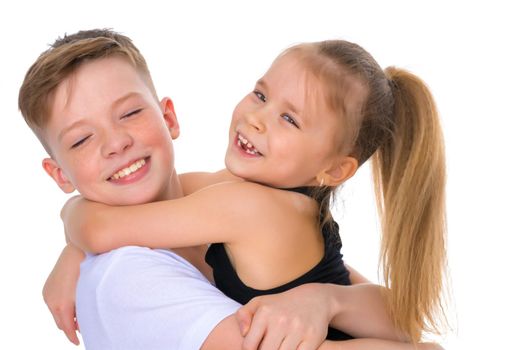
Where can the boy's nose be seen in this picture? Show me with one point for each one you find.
(117, 142)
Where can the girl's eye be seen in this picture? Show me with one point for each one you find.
(80, 142)
(290, 120)
(132, 113)
(260, 96)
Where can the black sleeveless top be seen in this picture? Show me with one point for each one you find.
(330, 269)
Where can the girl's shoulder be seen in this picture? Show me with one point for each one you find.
(236, 189)
(195, 181)
(261, 202)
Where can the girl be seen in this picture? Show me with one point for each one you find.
(319, 113)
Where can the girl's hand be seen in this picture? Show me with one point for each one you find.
(297, 318)
(302, 315)
(59, 291)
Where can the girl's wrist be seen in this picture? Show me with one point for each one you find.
(334, 302)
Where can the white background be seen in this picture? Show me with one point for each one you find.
(207, 55)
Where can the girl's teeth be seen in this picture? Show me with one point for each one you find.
(246, 146)
(242, 139)
(129, 170)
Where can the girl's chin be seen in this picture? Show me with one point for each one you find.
(235, 166)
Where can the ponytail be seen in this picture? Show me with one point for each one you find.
(392, 118)
(409, 176)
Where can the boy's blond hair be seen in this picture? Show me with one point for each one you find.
(62, 59)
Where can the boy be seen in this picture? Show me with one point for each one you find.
(91, 102)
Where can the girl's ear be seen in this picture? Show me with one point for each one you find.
(344, 169)
(170, 118)
(53, 169)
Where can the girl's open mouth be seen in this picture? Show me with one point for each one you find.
(246, 146)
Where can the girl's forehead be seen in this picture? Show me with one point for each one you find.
(292, 72)
(291, 62)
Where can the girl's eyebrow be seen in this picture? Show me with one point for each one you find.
(292, 108)
(262, 83)
(286, 102)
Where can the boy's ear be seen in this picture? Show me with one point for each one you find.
(52, 169)
(341, 171)
(170, 117)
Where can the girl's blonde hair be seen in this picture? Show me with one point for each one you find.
(396, 124)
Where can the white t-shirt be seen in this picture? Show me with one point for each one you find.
(141, 298)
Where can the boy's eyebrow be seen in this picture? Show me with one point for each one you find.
(70, 127)
(125, 97)
(113, 104)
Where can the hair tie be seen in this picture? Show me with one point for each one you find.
(392, 84)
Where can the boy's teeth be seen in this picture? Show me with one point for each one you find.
(129, 170)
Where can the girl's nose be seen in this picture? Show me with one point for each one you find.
(117, 142)
(256, 120)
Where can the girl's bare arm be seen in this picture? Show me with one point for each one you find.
(219, 213)
(376, 344)
(358, 310)
(195, 181)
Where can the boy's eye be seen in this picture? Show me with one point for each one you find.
(260, 96)
(136, 111)
(80, 142)
(290, 120)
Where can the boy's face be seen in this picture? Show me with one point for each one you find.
(109, 136)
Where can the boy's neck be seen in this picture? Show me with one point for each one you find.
(174, 188)
(194, 255)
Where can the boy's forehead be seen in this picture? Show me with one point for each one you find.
(95, 87)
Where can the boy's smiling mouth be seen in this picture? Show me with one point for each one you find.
(128, 170)
(246, 146)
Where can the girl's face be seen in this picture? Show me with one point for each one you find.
(277, 136)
